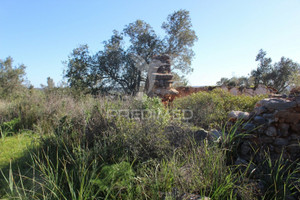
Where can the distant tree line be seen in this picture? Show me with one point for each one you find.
(280, 75)
(122, 66)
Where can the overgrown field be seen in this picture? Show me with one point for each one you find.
(57, 145)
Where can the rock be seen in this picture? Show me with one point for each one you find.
(266, 140)
(281, 142)
(248, 92)
(277, 104)
(293, 148)
(233, 115)
(297, 99)
(283, 129)
(271, 148)
(279, 150)
(259, 120)
(289, 117)
(200, 135)
(238, 115)
(248, 127)
(235, 91)
(245, 148)
(258, 110)
(271, 121)
(296, 128)
(261, 89)
(215, 133)
(268, 116)
(294, 137)
(240, 161)
(271, 131)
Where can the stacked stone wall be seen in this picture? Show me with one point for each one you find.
(273, 126)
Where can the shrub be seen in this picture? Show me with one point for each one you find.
(210, 109)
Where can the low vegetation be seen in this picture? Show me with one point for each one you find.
(80, 150)
(210, 109)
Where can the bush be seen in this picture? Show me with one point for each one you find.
(210, 109)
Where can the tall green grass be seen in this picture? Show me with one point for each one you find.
(85, 153)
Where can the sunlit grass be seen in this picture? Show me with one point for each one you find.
(15, 147)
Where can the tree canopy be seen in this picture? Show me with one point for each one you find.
(122, 66)
(279, 75)
(11, 77)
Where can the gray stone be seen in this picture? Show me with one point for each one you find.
(294, 142)
(249, 127)
(283, 129)
(266, 140)
(277, 104)
(296, 128)
(238, 115)
(245, 148)
(294, 137)
(271, 121)
(297, 99)
(271, 147)
(261, 130)
(260, 109)
(240, 161)
(271, 131)
(279, 150)
(215, 133)
(259, 120)
(293, 148)
(268, 116)
(200, 135)
(281, 142)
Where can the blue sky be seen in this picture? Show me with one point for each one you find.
(41, 34)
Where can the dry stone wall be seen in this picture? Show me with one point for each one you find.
(273, 126)
(259, 90)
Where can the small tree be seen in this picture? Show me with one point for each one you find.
(11, 78)
(294, 79)
(235, 82)
(274, 75)
(78, 67)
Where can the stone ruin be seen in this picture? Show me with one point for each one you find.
(259, 90)
(273, 126)
(160, 79)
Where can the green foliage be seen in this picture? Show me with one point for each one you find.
(122, 68)
(87, 153)
(15, 147)
(279, 75)
(200, 171)
(210, 109)
(78, 68)
(279, 178)
(9, 128)
(236, 82)
(274, 75)
(116, 181)
(294, 79)
(11, 78)
(179, 40)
